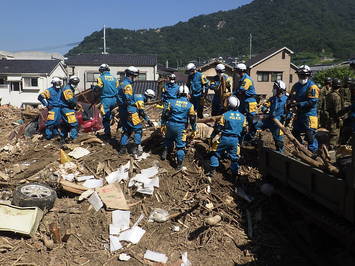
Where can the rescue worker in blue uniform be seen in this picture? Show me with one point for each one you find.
(221, 84)
(304, 96)
(231, 126)
(51, 98)
(125, 94)
(107, 85)
(133, 116)
(170, 90)
(277, 109)
(68, 109)
(176, 116)
(246, 93)
(198, 86)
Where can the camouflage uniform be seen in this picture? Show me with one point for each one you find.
(345, 95)
(322, 107)
(334, 106)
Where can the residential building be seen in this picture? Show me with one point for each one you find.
(86, 66)
(22, 80)
(209, 69)
(270, 66)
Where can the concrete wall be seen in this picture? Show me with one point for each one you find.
(274, 64)
(28, 95)
(81, 72)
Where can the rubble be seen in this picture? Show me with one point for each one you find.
(91, 224)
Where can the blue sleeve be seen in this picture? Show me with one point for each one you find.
(42, 100)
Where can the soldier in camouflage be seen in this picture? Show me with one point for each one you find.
(322, 108)
(345, 91)
(334, 105)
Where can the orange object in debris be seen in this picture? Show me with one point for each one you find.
(64, 158)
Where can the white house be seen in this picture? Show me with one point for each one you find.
(86, 66)
(22, 80)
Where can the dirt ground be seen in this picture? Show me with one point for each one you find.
(247, 234)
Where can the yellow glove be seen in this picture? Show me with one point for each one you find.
(163, 130)
(159, 106)
(193, 134)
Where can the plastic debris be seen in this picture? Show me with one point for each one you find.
(175, 228)
(79, 152)
(86, 194)
(143, 156)
(93, 183)
(146, 180)
(140, 218)
(132, 235)
(124, 257)
(115, 243)
(120, 220)
(23, 220)
(158, 215)
(64, 158)
(155, 256)
(119, 175)
(69, 177)
(185, 260)
(95, 201)
(84, 178)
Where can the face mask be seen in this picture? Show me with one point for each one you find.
(303, 81)
(74, 86)
(172, 81)
(57, 86)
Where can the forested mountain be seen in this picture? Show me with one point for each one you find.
(309, 27)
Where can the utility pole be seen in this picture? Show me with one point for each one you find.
(104, 52)
(250, 45)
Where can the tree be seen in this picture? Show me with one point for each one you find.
(336, 72)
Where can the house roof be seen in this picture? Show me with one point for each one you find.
(265, 55)
(214, 63)
(15, 66)
(112, 59)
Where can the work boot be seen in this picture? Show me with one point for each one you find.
(123, 150)
(164, 154)
(179, 165)
(139, 150)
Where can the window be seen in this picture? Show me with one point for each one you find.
(16, 86)
(92, 76)
(291, 78)
(30, 82)
(276, 76)
(142, 76)
(283, 55)
(263, 76)
(2, 80)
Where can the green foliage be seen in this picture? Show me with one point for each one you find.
(306, 27)
(337, 72)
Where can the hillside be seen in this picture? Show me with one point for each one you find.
(321, 27)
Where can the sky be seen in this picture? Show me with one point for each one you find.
(54, 26)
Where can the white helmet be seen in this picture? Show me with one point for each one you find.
(220, 68)
(149, 93)
(103, 68)
(172, 78)
(132, 71)
(190, 66)
(233, 102)
(241, 67)
(57, 82)
(280, 84)
(184, 90)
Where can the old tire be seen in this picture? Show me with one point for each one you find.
(34, 195)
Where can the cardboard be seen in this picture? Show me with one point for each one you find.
(113, 197)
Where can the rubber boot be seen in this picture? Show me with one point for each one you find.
(123, 150)
(164, 154)
(139, 150)
(179, 165)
